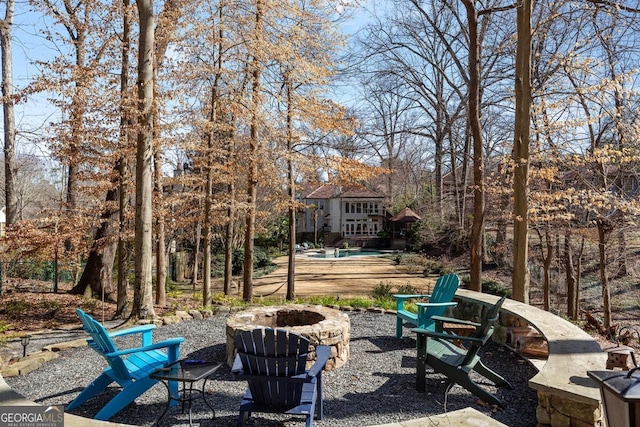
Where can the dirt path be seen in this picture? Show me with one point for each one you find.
(353, 276)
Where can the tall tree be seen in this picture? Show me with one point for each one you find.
(522, 129)
(476, 132)
(143, 290)
(122, 164)
(166, 26)
(255, 70)
(9, 121)
(79, 80)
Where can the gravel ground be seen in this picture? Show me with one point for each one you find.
(376, 386)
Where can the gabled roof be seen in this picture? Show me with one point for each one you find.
(405, 215)
(328, 191)
(325, 191)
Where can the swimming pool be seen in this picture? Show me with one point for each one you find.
(344, 253)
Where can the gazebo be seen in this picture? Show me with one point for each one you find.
(404, 220)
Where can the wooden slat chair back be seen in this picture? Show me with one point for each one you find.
(273, 362)
(102, 343)
(129, 367)
(483, 332)
(439, 300)
(439, 351)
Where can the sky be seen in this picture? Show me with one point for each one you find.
(30, 46)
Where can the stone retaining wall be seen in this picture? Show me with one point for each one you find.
(566, 395)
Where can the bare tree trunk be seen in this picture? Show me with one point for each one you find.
(97, 274)
(9, 121)
(77, 121)
(622, 251)
(228, 242)
(206, 268)
(476, 131)
(291, 267)
(606, 295)
(520, 277)
(206, 262)
(572, 309)
(457, 198)
(143, 289)
(501, 233)
(123, 172)
(161, 246)
(252, 181)
(196, 256)
(546, 263)
(579, 274)
(162, 35)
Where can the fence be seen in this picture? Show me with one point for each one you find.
(35, 271)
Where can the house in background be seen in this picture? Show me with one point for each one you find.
(335, 214)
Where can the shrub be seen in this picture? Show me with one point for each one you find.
(16, 307)
(465, 279)
(51, 307)
(436, 267)
(260, 260)
(89, 304)
(413, 263)
(382, 290)
(408, 289)
(495, 288)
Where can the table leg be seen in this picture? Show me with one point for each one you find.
(166, 408)
(204, 397)
(185, 396)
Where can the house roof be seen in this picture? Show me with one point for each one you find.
(328, 191)
(405, 215)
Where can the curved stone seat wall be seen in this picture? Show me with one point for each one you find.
(566, 395)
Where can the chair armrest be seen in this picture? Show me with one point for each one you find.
(145, 331)
(173, 342)
(133, 330)
(401, 298)
(445, 336)
(437, 304)
(454, 320)
(323, 352)
(408, 296)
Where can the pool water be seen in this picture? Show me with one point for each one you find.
(344, 253)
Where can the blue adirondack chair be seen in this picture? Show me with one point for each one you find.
(439, 351)
(130, 367)
(273, 361)
(441, 298)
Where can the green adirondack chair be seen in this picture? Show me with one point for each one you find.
(129, 367)
(441, 298)
(437, 350)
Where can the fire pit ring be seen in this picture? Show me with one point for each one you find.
(321, 325)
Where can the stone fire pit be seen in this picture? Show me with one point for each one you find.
(321, 325)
